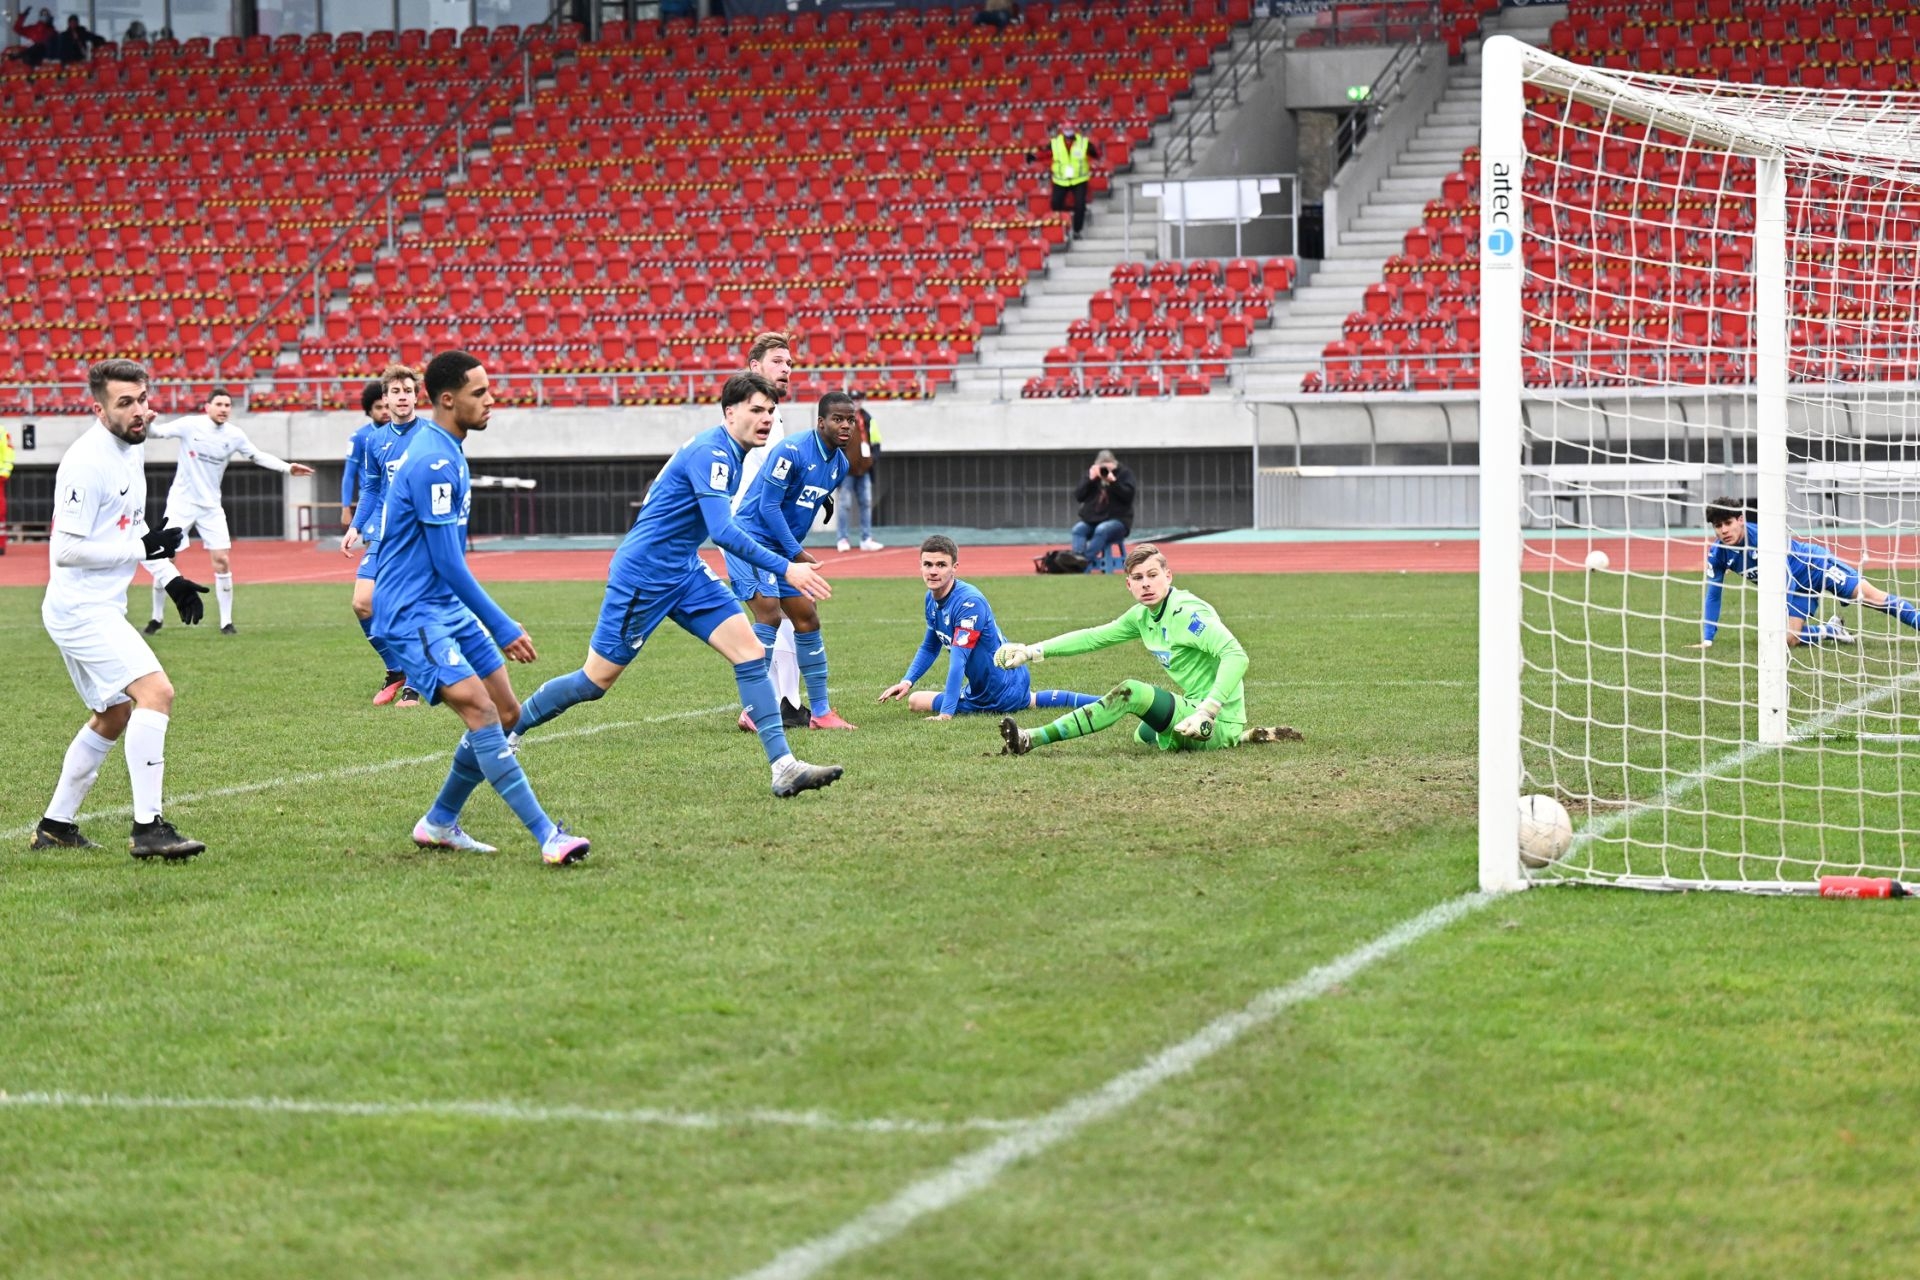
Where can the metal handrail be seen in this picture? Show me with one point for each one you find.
(1381, 95)
(362, 213)
(1223, 92)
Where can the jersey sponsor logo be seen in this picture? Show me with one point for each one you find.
(783, 468)
(810, 496)
(442, 499)
(1163, 656)
(717, 475)
(1196, 626)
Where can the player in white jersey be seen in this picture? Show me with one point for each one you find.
(208, 441)
(99, 534)
(771, 356)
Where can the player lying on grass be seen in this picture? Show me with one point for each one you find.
(1810, 571)
(959, 618)
(1185, 636)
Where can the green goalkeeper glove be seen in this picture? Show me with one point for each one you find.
(1009, 656)
(1199, 725)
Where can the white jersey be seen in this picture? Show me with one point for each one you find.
(757, 457)
(205, 450)
(100, 495)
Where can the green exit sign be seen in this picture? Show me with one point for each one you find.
(1359, 92)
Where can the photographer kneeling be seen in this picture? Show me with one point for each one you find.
(1106, 507)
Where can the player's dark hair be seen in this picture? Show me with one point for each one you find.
(446, 372)
(107, 371)
(941, 545)
(1724, 508)
(404, 373)
(216, 393)
(370, 395)
(742, 387)
(765, 342)
(837, 400)
(1140, 555)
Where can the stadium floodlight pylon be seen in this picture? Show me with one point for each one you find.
(1689, 288)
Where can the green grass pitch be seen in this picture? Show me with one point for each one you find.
(1565, 1083)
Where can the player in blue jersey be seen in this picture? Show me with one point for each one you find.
(449, 633)
(780, 505)
(959, 618)
(378, 459)
(657, 574)
(1811, 570)
(373, 403)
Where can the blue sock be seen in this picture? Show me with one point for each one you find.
(461, 781)
(811, 648)
(502, 767)
(762, 706)
(555, 696)
(767, 634)
(381, 647)
(1903, 609)
(1062, 698)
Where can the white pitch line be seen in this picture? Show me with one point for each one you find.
(977, 1170)
(513, 1112)
(362, 770)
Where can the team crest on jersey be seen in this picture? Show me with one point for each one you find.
(1196, 626)
(453, 655)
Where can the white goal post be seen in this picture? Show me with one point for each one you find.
(1692, 289)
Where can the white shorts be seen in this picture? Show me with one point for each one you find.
(210, 521)
(103, 653)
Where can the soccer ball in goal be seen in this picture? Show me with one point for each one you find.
(1693, 289)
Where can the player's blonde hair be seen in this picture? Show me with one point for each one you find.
(1140, 555)
(765, 342)
(398, 373)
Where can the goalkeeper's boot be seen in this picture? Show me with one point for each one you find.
(1271, 733)
(431, 835)
(800, 776)
(153, 625)
(831, 720)
(390, 686)
(561, 847)
(1838, 633)
(59, 835)
(1015, 739)
(158, 839)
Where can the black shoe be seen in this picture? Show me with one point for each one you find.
(152, 626)
(792, 717)
(158, 839)
(1014, 739)
(59, 835)
(228, 629)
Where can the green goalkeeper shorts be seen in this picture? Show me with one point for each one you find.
(1225, 732)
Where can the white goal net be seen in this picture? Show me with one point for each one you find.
(1695, 290)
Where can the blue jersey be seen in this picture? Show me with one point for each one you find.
(963, 623)
(385, 447)
(783, 500)
(356, 462)
(689, 501)
(429, 488)
(1810, 570)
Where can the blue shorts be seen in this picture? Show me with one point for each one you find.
(1830, 576)
(749, 581)
(437, 652)
(1003, 698)
(632, 611)
(369, 562)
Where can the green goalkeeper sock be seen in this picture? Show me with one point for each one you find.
(1134, 697)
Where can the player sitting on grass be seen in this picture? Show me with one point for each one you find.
(1185, 636)
(958, 616)
(1810, 570)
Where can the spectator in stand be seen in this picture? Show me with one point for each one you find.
(36, 38)
(857, 488)
(136, 32)
(999, 14)
(1071, 154)
(1106, 507)
(76, 42)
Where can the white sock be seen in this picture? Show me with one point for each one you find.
(223, 592)
(783, 764)
(159, 601)
(77, 774)
(146, 761)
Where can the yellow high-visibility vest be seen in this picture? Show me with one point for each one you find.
(6, 455)
(1070, 161)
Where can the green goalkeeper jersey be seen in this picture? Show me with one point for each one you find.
(1186, 637)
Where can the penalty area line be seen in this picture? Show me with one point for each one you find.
(977, 1170)
(511, 1112)
(364, 770)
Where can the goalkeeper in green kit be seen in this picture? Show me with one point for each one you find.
(1187, 637)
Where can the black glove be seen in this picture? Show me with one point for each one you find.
(826, 509)
(186, 595)
(161, 543)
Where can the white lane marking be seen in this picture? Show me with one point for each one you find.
(511, 1111)
(977, 1170)
(362, 770)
